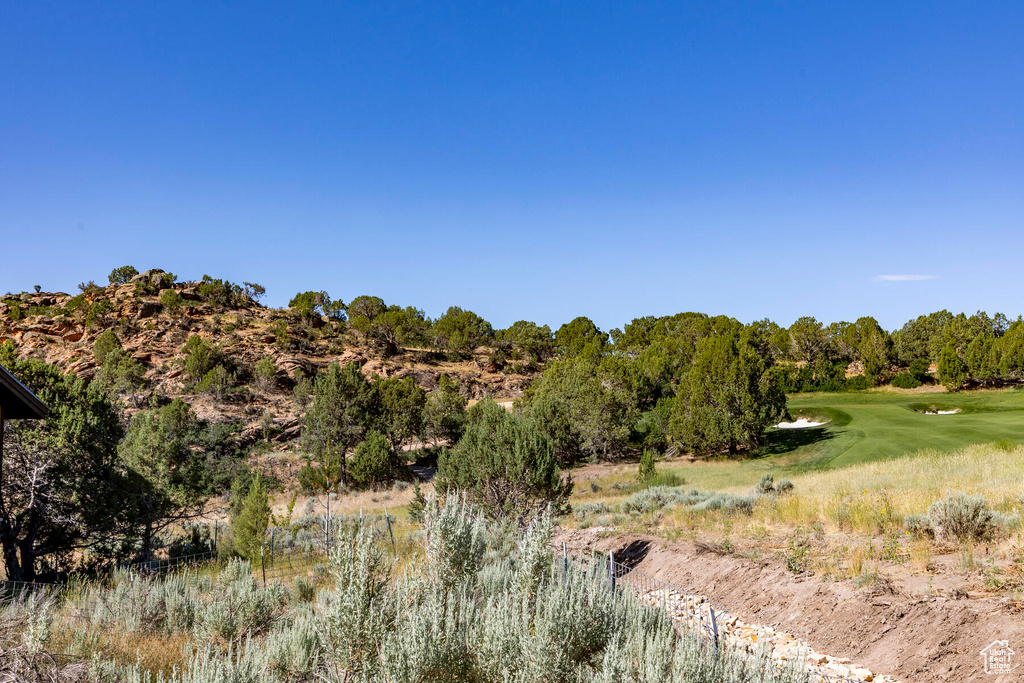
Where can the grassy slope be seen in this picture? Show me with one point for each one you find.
(869, 426)
(864, 427)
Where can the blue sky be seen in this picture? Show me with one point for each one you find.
(533, 160)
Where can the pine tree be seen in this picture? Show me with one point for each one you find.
(251, 525)
(418, 504)
(646, 470)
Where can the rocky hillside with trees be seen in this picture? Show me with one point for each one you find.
(148, 337)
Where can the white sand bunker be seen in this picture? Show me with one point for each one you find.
(802, 423)
(942, 412)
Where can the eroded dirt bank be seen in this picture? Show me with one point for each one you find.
(910, 637)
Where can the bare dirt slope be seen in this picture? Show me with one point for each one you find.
(910, 637)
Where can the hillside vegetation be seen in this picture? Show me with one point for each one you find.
(181, 394)
(482, 604)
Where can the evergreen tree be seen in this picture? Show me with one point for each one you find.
(344, 409)
(505, 464)
(727, 399)
(458, 332)
(167, 476)
(580, 336)
(445, 411)
(251, 524)
(419, 503)
(646, 471)
(58, 477)
(952, 370)
(402, 404)
(373, 462)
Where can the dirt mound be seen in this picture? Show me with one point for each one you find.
(910, 637)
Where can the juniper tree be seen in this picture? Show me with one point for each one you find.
(373, 461)
(445, 411)
(505, 464)
(58, 479)
(727, 400)
(458, 332)
(167, 475)
(251, 524)
(343, 410)
(952, 370)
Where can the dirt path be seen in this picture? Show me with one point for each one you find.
(905, 636)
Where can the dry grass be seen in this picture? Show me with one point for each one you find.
(369, 502)
(868, 497)
(156, 652)
(864, 498)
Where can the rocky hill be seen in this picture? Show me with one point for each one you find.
(153, 317)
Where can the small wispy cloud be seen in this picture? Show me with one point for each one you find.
(902, 278)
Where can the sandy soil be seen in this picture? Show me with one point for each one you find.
(890, 629)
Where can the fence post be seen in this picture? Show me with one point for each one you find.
(611, 572)
(714, 628)
(565, 563)
(215, 548)
(387, 518)
(263, 567)
(272, 529)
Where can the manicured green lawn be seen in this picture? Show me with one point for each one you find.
(862, 427)
(865, 426)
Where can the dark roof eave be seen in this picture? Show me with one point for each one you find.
(17, 401)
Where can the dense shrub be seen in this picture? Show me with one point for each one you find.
(121, 276)
(767, 485)
(964, 517)
(482, 605)
(646, 471)
(199, 357)
(216, 382)
(373, 462)
(905, 380)
(505, 464)
(728, 502)
(919, 525)
(238, 608)
(120, 373)
(221, 293)
(659, 497)
(104, 344)
(265, 373)
(584, 510)
(171, 300)
(98, 312)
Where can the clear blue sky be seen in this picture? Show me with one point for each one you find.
(537, 161)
